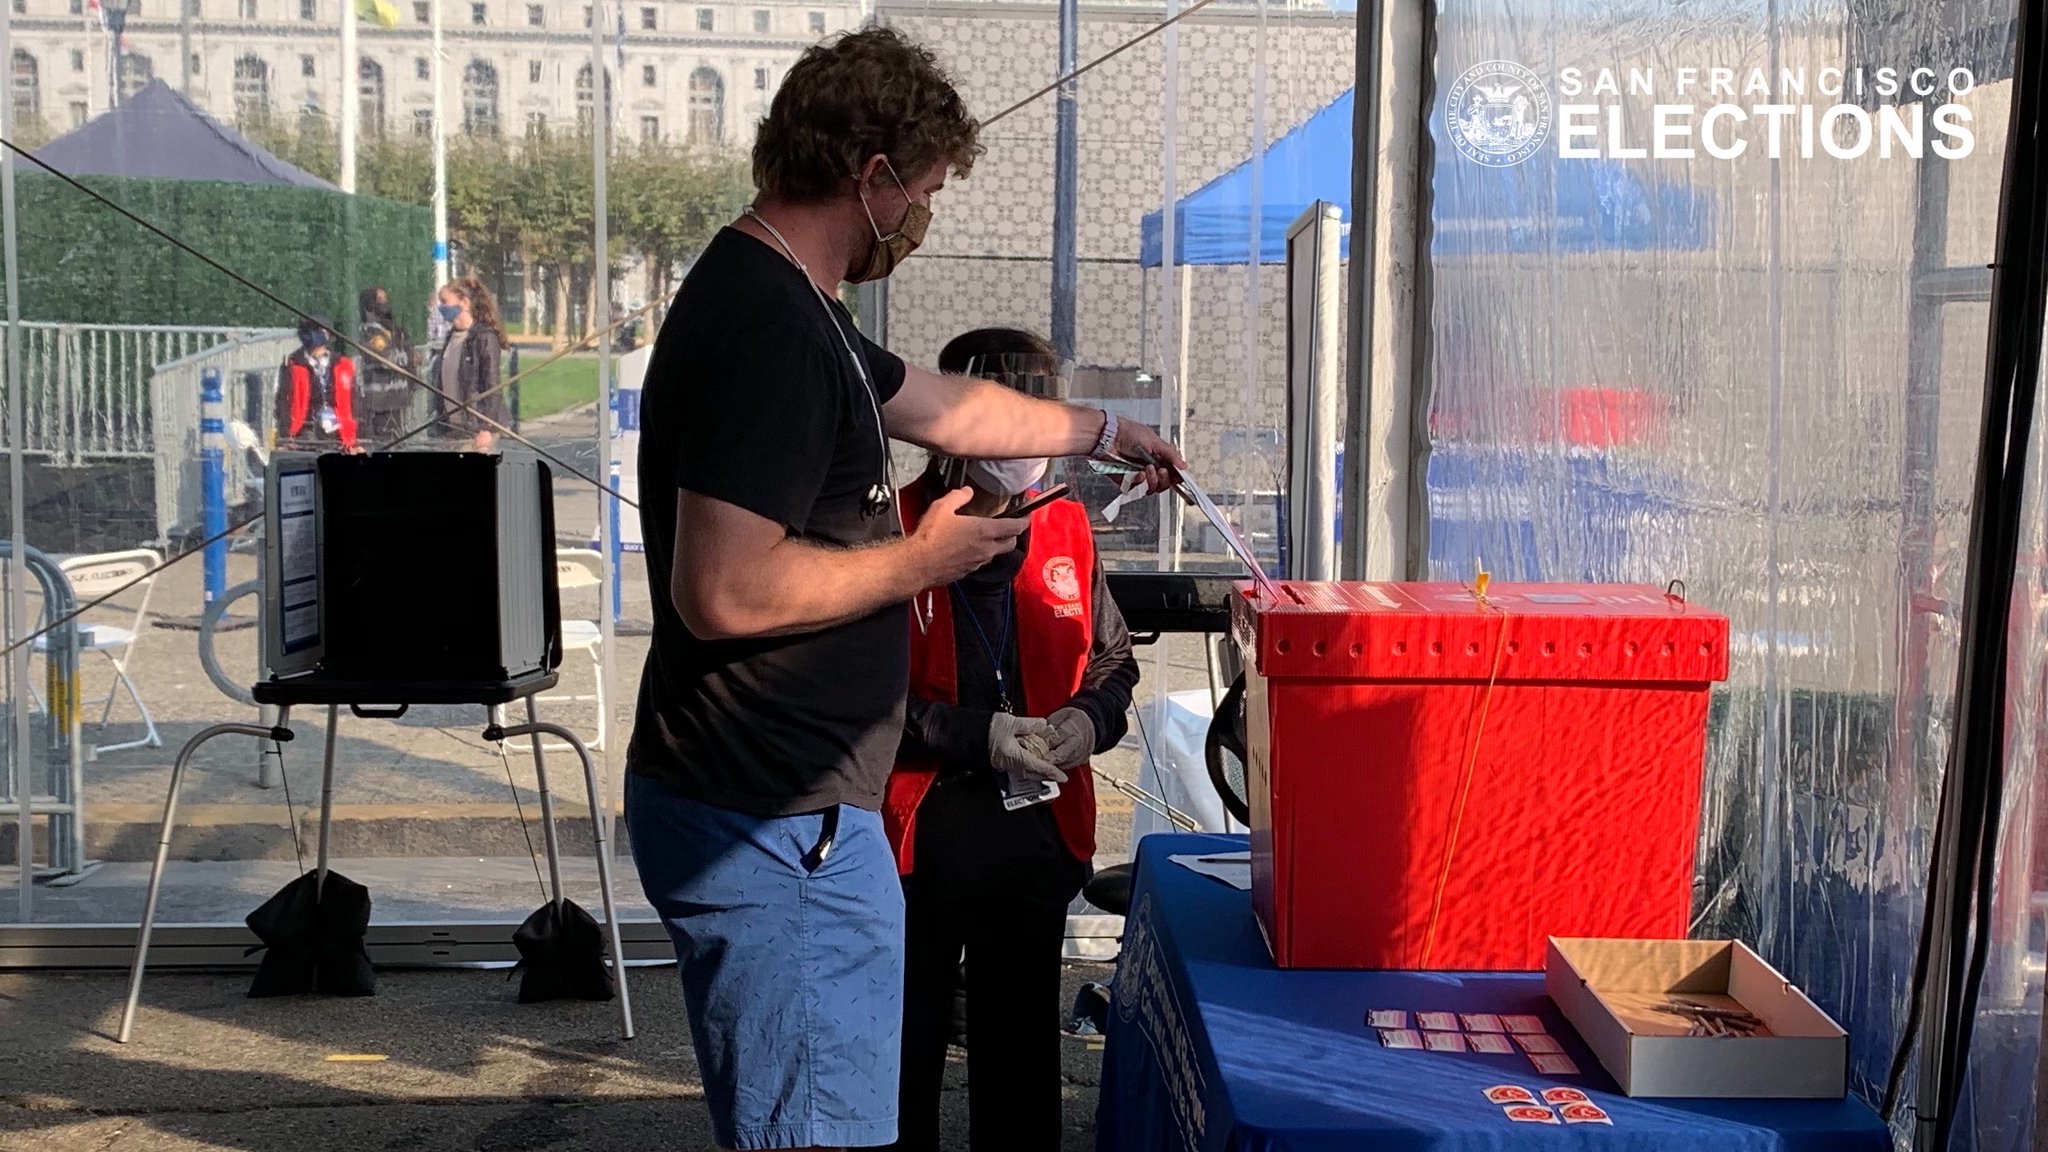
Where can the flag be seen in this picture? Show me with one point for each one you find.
(619, 37)
(382, 13)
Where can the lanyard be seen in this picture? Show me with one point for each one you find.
(998, 656)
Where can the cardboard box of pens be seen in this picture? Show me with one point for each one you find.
(1695, 1018)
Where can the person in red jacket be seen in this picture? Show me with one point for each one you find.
(316, 395)
(1019, 672)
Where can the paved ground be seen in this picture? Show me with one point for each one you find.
(425, 787)
(462, 1067)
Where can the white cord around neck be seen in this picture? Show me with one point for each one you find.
(887, 484)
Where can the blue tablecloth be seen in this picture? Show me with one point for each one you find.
(1213, 1048)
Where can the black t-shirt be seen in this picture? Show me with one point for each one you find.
(752, 398)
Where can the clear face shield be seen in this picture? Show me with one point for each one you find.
(1032, 373)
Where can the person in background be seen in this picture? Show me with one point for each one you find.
(316, 390)
(466, 371)
(385, 393)
(1024, 670)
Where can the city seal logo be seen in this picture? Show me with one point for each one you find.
(1062, 578)
(1498, 113)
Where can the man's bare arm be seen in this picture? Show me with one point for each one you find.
(738, 575)
(964, 416)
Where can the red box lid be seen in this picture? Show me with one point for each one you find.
(1387, 631)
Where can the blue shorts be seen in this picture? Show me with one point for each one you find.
(793, 977)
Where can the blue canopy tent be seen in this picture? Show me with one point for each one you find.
(1543, 204)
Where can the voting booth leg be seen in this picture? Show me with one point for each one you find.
(547, 808)
(326, 799)
(163, 853)
(534, 727)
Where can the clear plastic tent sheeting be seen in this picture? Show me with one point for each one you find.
(1666, 358)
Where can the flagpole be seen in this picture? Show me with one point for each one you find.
(440, 154)
(185, 47)
(351, 98)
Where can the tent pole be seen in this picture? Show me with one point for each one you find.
(17, 506)
(607, 406)
(1066, 266)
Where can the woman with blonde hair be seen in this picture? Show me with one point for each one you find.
(470, 408)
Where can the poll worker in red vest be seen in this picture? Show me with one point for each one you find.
(1019, 672)
(316, 394)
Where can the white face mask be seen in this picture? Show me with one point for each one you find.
(1006, 477)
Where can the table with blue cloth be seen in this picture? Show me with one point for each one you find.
(1212, 1048)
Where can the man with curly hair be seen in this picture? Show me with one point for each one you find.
(773, 695)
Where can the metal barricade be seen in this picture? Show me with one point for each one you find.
(174, 390)
(54, 788)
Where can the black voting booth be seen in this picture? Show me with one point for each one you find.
(392, 580)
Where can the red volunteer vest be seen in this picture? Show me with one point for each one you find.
(344, 383)
(1055, 628)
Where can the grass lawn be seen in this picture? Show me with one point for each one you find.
(566, 383)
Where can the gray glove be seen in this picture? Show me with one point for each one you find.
(1021, 747)
(1073, 737)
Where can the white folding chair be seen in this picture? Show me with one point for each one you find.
(579, 569)
(95, 576)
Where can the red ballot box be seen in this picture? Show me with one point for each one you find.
(1441, 782)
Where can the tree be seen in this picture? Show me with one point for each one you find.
(533, 198)
(669, 203)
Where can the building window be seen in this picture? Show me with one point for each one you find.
(650, 129)
(78, 113)
(421, 69)
(760, 79)
(422, 14)
(309, 9)
(763, 20)
(478, 14)
(707, 107)
(307, 68)
(586, 15)
(370, 96)
(195, 9)
(705, 20)
(648, 76)
(21, 7)
(136, 73)
(533, 71)
(650, 19)
(78, 7)
(423, 121)
(252, 88)
(817, 23)
(77, 60)
(195, 64)
(246, 9)
(536, 124)
(28, 89)
(536, 16)
(479, 99)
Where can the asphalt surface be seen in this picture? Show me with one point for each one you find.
(435, 1062)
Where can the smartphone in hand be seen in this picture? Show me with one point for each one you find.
(1051, 494)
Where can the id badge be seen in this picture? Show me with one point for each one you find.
(1024, 793)
(330, 423)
